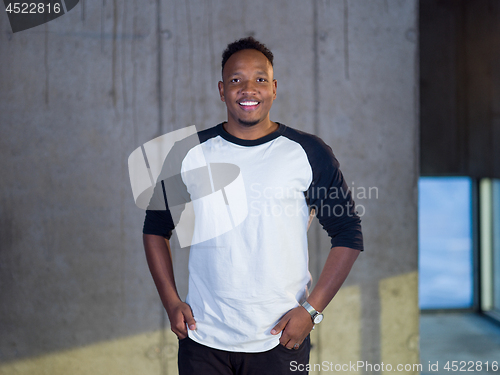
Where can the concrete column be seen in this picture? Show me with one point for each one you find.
(79, 94)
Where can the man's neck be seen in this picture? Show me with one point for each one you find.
(250, 132)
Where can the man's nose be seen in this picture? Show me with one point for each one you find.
(248, 87)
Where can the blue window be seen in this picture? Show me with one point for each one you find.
(495, 228)
(445, 243)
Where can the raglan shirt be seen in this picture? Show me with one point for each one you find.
(242, 280)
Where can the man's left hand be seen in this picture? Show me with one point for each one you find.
(296, 325)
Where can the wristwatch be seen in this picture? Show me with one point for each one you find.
(316, 316)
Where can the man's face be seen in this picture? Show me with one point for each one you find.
(248, 87)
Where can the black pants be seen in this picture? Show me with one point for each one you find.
(197, 359)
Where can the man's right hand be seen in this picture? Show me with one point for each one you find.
(180, 316)
(159, 259)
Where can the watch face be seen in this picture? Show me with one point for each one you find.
(318, 318)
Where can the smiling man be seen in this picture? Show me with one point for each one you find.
(248, 89)
(248, 309)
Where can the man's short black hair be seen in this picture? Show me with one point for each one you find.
(245, 43)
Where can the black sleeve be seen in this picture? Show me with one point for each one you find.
(159, 223)
(332, 200)
(159, 220)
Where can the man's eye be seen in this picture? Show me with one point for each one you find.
(261, 80)
(235, 80)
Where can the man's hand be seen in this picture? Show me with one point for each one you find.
(180, 315)
(296, 325)
(159, 260)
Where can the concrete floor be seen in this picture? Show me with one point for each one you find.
(461, 337)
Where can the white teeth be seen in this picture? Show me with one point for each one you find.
(249, 103)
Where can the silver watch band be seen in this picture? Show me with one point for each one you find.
(316, 316)
(311, 310)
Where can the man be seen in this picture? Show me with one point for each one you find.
(248, 309)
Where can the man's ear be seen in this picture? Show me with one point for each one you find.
(275, 88)
(221, 91)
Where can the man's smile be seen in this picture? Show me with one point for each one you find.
(248, 105)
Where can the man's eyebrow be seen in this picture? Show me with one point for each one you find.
(258, 72)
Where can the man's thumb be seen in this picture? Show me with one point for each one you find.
(279, 327)
(190, 321)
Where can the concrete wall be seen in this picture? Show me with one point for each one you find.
(80, 93)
